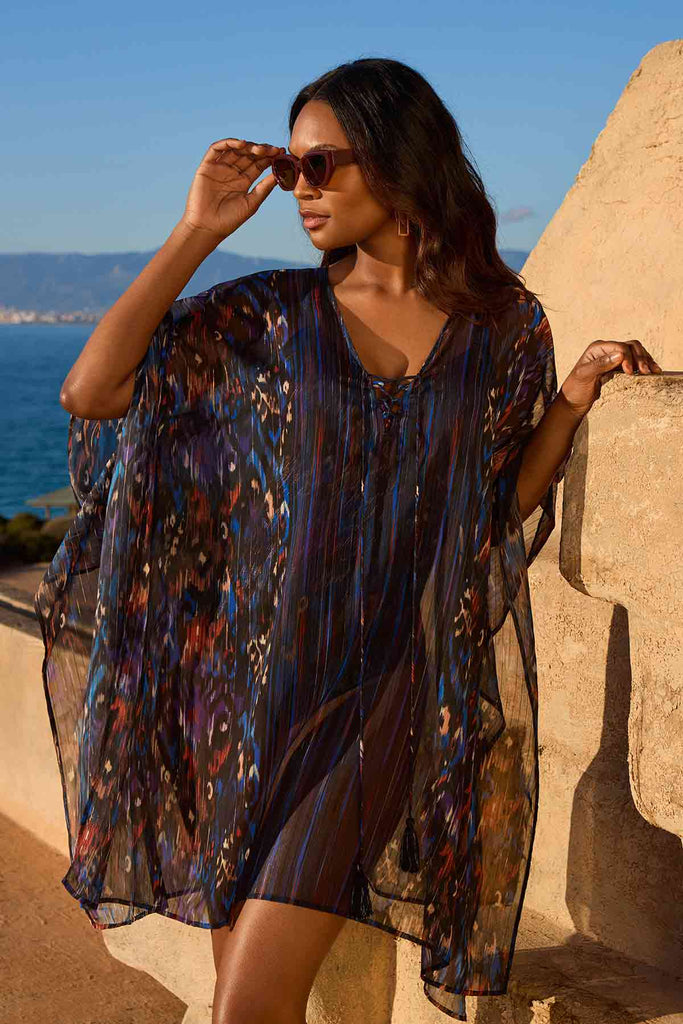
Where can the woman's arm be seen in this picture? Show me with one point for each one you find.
(544, 452)
(553, 436)
(100, 383)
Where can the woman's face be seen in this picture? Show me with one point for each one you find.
(353, 213)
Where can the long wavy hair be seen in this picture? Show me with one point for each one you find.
(411, 153)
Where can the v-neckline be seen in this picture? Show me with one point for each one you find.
(351, 348)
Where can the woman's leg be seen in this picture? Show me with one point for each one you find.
(221, 938)
(268, 963)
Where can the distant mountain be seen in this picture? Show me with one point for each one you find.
(64, 282)
(70, 281)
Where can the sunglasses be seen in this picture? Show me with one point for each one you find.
(317, 167)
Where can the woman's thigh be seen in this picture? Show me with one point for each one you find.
(268, 963)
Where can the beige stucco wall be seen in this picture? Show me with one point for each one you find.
(609, 627)
(608, 264)
(30, 787)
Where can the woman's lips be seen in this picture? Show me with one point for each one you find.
(314, 222)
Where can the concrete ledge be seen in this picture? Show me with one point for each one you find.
(621, 548)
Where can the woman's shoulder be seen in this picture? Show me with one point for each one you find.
(516, 328)
(247, 304)
(524, 304)
(248, 291)
(522, 313)
(278, 282)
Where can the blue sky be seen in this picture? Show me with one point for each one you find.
(108, 108)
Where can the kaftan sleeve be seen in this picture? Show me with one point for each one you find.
(506, 777)
(190, 351)
(93, 602)
(527, 387)
(92, 443)
(66, 599)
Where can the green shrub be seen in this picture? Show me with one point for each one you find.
(22, 540)
(24, 522)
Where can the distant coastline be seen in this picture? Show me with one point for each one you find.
(13, 316)
(73, 288)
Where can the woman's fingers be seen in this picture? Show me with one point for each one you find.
(243, 154)
(642, 358)
(244, 145)
(634, 354)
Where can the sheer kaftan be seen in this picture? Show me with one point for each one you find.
(289, 649)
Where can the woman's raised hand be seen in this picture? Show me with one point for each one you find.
(219, 200)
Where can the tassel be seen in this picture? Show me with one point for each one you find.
(361, 906)
(410, 850)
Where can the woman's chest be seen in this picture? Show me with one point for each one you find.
(391, 339)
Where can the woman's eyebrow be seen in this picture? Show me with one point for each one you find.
(323, 145)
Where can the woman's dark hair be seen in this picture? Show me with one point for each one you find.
(410, 151)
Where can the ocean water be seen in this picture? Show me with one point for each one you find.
(34, 427)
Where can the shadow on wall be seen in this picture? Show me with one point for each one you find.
(619, 865)
(611, 889)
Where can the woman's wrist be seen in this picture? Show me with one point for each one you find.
(197, 236)
(577, 413)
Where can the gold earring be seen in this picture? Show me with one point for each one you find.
(403, 224)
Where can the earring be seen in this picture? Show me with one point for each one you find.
(403, 224)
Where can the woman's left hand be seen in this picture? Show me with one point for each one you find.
(582, 387)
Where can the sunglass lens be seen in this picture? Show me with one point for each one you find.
(315, 167)
(285, 172)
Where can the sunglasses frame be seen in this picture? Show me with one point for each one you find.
(333, 158)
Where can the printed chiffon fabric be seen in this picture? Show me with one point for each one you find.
(289, 649)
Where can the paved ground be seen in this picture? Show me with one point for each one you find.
(24, 577)
(54, 966)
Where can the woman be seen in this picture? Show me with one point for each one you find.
(289, 647)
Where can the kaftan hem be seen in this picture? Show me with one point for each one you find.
(146, 910)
